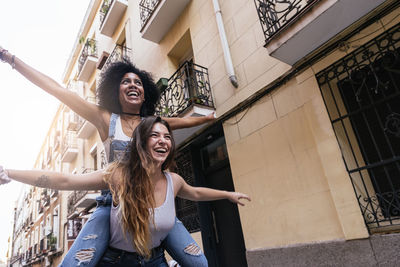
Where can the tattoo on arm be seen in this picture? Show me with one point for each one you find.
(43, 181)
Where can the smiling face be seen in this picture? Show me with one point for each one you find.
(159, 143)
(131, 93)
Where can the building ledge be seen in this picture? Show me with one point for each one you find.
(317, 26)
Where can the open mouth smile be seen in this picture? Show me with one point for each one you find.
(133, 93)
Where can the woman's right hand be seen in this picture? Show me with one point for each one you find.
(4, 179)
(4, 55)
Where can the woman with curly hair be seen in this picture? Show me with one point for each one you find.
(143, 210)
(126, 95)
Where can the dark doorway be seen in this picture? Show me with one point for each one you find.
(220, 222)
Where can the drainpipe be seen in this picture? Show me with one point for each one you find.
(225, 46)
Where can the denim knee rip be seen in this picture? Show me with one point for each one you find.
(85, 255)
(89, 237)
(193, 249)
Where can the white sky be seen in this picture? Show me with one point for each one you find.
(42, 34)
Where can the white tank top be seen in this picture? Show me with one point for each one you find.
(164, 219)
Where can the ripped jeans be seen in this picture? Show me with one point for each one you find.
(92, 241)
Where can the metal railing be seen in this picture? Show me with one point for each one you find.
(69, 141)
(276, 15)
(90, 49)
(73, 198)
(362, 96)
(146, 9)
(76, 196)
(119, 53)
(105, 7)
(189, 85)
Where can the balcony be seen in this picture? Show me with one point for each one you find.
(46, 200)
(187, 93)
(56, 141)
(84, 128)
(69, 147)
(53, 192)
(82, 199)
(295, 28)
(51, 242)
(118, 54)
(73, 119)
(87, 60)
(158, 16)
(111, 13)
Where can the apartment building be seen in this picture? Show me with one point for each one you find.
(307, 101)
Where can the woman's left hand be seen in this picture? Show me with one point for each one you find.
(212, 116)
(3, 54)
(235, 197)
(4, 179)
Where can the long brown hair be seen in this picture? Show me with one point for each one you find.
(133, 188)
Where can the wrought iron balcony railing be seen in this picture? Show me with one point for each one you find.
(69, 141)
(73, 198)
(119, 53)
(147, 8)
(90, 49)
(105, 7)
(276, 15)
(189, 85)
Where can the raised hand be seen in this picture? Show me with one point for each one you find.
(3, 53)
(4, 176)
(235, 197)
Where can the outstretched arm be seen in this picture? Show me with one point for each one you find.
(187, 122)
(56, 180)
(205, 194)
(83, 108)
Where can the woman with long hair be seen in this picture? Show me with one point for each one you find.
(143, 210)
(126, 94)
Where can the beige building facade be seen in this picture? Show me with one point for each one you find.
(306, 95)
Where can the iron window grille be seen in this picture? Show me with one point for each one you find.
(186, 210)
(146, 9)
(276, 15)
(189, 85)
(362, 95)
(89, 50)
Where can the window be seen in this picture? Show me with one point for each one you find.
(362, 96)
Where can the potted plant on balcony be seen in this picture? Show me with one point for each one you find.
(106, 6)
(165, 112)
(52, 242)
(194, 100)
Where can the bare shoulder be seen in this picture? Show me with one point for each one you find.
(177, 182)
(175, 177)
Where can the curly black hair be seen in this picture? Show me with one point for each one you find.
(108, 89)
